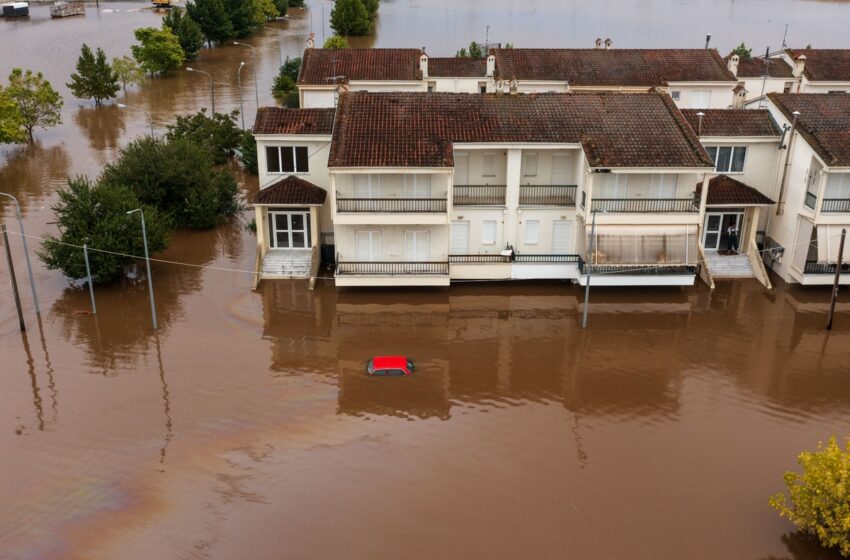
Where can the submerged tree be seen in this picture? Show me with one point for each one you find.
(94, 78)
(249, 152)
(11, 123)
(38, 104)
(158, 50)
(217, 134)
(211, 16)
(128, 71)
(350, 18)
(187, 31)
(335, 42)
(284, 88)
(244, 16)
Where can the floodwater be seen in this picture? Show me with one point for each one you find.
(245, 425)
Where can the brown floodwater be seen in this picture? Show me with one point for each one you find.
(245, 426)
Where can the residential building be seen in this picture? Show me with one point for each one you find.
(820, 70)
(759, 76)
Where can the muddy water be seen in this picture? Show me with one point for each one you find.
(245, 424)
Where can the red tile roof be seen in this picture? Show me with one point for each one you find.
(277, 120)
(726, 191)
(418, 130)
(733, 122)
(613, 67)
(824, 122)
(457, 67)
(319, 66)
(291, 191)
(825, 65)
(755, 67)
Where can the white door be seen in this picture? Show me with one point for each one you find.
(614, 185)
(417, 246)
(562, 236)
(461, 169)
(701, 99)
(368, 246)
(289, 230)
(662, 185)
(560, 169)
(417, 186)
(367, 186)
(711, 237)
(460, 238)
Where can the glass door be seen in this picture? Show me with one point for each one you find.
(289, 230)
(711, 236)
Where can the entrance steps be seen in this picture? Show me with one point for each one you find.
(287, 263)
(729, 266)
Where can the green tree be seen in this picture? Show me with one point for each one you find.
(96, 214)
(217, 134)
(211, 16)
(284, 88)
(11, 124)
(743, 52)
(350, 18)
(475, 51)
(820, 496)
(372, 8)
(94, 78)
(159, 50)
(281, 6)
(296, 3)
(38, 104)
(243, 16)
(291, 67)
(178, 178)
(249, 151)
(128, 71)
(267, 10)
(335, 42)
(188, 32)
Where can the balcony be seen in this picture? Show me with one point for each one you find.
(392, 205)
(833, 204)
(641, 270)
(479, 259)
(811, 201)
(645, 205)
(547, 195)
(814, 267)
(479, 195)
(391, 273)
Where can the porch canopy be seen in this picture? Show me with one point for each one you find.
(726, 191)
(829, 239)
(645, 245)
(291, 191)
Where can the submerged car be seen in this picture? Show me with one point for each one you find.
(390, 365)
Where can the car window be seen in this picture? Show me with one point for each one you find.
(395, 372)
(379, 372)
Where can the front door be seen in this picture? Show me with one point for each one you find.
(716, 232)
(289, 230)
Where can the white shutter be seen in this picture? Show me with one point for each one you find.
(417, 246)
(461, 169)
(838, 186)
(417, 186)
(532, 232)
(701, 99)
(489, 165)
(529, 165)
(488, 232)
(460, 238)
(367, 186)
(562, 233)
(560, 169)
(368, 245)
(662, 185)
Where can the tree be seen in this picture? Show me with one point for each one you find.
(217, 134)
(128, 71)
(94, 78)
(281, 6)
(159, 50)
(267, 10)
(291, 67)
(212, 18)
(350, 18)
(249, 152)
(38, 104)
(296, 3)
(372, 8)
(284, 88)
(243, 16)
(743, 52)
(188, 32)
(820, 496)
(96, 214)
(335, 42)
(475, 51)
(11, 124)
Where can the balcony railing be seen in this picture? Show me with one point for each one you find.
(638, 205)
(547, 195)
(835, 205)
(814, 267)
(525, 258)
(641, 269)
(479, 195)
(392, 205)
(364, 268)
(811, 200)
(466, 259)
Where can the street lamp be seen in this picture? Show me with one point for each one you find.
(212, 87)
(150, 117)
(589, 266)
(26, 249)
(254, 65)
(279, 41)
(239, 79)
(148, 263)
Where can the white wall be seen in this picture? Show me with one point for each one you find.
(476, 174)
(476, 218)
(758, 87)
(317, 98)
(392, 241)
(823, 87)
(761, 166)
(720, 95)
(459, 85)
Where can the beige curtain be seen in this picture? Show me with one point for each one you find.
(645, 245)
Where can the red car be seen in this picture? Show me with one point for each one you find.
(390, 365)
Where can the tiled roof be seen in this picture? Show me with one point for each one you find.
(457, 67)
(754, 68)
(824, 122)
(733, 122)
(726, 191)
(318, 65)
(825, 65)
(276, 120)
(613, 67)
(292, 190)
(418, 130)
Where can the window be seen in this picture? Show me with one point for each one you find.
(787, 88)
(431, 87)
(700, 99)
(728, 159)
(532, 232)
(489, 165)
(482, 87)
(488, 232)
(529, 165)
(287, 159)
(460, 238)
(676, 95)
(836, 91)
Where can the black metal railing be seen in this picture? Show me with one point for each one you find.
(462, 259)
(637, 205)
(811, 200)
(518, 258)
(479, 195)
(392, 205)
(835, 205)
(548, 195)
(364, 268)
(814, 267)
(641, 269)
(524, 258)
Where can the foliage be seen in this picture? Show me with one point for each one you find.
(296, 3)
(38, 104)
(508, 46)
(475, 51)
(243, 16)
(94, 78)
(350, 18)
(281, 6)
(11, 122)
(211, 16)
(177, 177)
(252, 226)
(291, 67)
(284, 88)
(249, 152)
(335, 42)
(96, 214)
(743, 52)
(820, 496)
(128, 71)
(159, 51)
(372, 8)
(268, 10)
(188, 32)
(217, 134)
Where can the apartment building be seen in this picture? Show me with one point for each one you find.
(759, 76)
(819, 70)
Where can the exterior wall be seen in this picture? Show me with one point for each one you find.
(824, 87)
(392, 241)
(460, 85)
(476, 218)
(545, 219)
(759, 87)
(379, 86)
(721, 94)
(475, 160)
(317, 98)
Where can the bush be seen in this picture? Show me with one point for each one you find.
(350, 17)
(335, 42)
(820, 496)
(96, 214)
(218, 134)
(249, 152)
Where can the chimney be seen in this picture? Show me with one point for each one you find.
(491, 65)
(700, 116)
(732, 65)
(799, 65)
(513, 89)
(598, 43)
(608, 44)
(311, 41)
(423, 64)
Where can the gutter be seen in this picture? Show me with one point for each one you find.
(780, 199)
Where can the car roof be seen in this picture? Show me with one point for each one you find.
(389, 362)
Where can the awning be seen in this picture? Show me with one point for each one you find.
(645, 245)
(829, 239)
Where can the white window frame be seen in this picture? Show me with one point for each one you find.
(488, 160)
(489, 240)
(295, 170)
(529, 239)
(676, 95)
(715, 150)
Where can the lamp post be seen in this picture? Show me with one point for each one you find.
(589, 267)
(147, 263)
(254, 66)
(150, 117)
(26, 249)
(239, 79)
(212, 87)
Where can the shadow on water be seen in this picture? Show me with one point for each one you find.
(803, 547)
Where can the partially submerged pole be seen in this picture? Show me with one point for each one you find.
(835, 282)
(88, 274)
(12, 276)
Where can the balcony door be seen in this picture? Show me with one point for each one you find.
(417, 246)
(289, 230)
(368, 247)
(367, 186)
(417, 186)
(562, 235)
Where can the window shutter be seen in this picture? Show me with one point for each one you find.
(532, 231)
(488, 232)
(460, 238)
(561, 237)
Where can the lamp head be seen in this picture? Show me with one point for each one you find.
(190, 69)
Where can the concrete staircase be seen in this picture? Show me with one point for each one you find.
(287, 263)
(729, 266)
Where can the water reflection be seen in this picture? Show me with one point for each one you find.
(804, 547)
(32, 173)
(104, 127)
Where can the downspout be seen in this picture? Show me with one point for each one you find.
(780, 202)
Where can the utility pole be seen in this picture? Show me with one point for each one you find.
(148, 264)
(12, 276)
(88, 273)
(26, 249)
(835, 282)
(589, 269)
